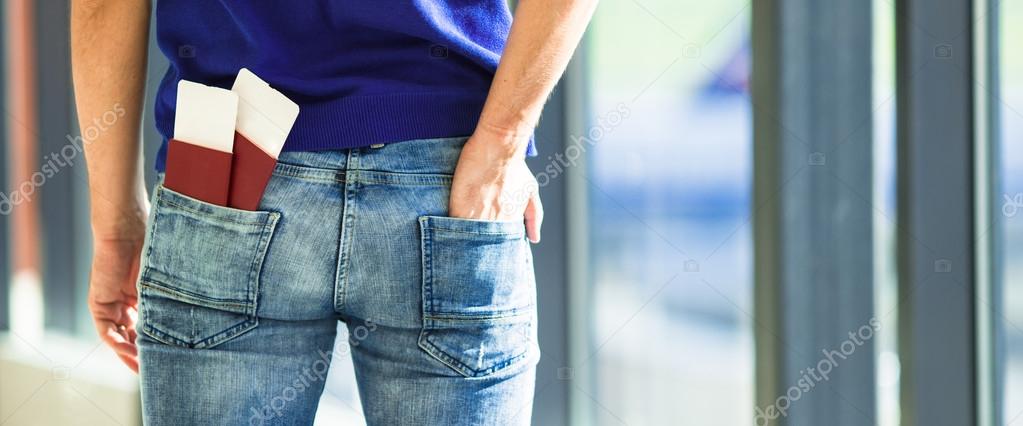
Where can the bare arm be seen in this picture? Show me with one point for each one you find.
(109, 39)
(543, 37)
(492, 181)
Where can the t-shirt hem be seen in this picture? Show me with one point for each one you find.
(360, 121)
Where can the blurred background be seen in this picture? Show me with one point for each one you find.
(647, 268)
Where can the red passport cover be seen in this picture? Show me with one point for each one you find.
(250, 173)
(198, 172)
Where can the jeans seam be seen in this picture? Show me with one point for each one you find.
(309, 173)
(259, 259)
(164, 200)
(456, 316)
(511, 235)
(441, 355)
(343, 274)
(184, 296)
(427, 270)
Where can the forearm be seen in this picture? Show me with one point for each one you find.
(543, 37)
(109, 39)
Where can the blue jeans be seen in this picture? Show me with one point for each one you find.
(238, 309)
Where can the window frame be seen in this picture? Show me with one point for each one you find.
(5, 235)
(813, 174)
(948, 363)
(63, 208)
(990, 329)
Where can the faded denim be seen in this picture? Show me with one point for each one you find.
(238, 309)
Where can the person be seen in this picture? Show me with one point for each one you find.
(402, 206)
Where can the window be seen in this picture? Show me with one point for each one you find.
(669, 183)
(884, 200)
(1010, 111)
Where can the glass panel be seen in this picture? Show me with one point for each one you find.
(1011, 115)
(26, 293)
(884, 200)
(669, 180)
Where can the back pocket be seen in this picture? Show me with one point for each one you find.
(199, 279)
(479, 294)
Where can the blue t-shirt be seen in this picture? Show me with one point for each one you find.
(362, 71)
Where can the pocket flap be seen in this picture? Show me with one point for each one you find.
(203, 253)
(475, 269)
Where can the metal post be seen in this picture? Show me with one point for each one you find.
(60, 215)
(813, 265)
(551, 400)
(936, 194)
(5, 206)
(990, 328)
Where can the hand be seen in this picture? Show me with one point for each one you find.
(492, 182)
(113, 299)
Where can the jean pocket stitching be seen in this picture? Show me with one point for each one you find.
(430, 340)
(180, 295)
(264, 230)
(166, 337)
(240, 301)
(162, 198)
(459, 316)
(210, 342)
(495, 228)
(441, 354)
(510, 236)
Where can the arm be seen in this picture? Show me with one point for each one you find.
(492, 181)
(108, 55)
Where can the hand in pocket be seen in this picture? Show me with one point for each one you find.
(489, 186)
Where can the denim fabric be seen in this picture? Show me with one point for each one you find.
(238, 309)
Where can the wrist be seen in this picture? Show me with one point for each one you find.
(116, 211)
(121, 224)
(502, 144)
